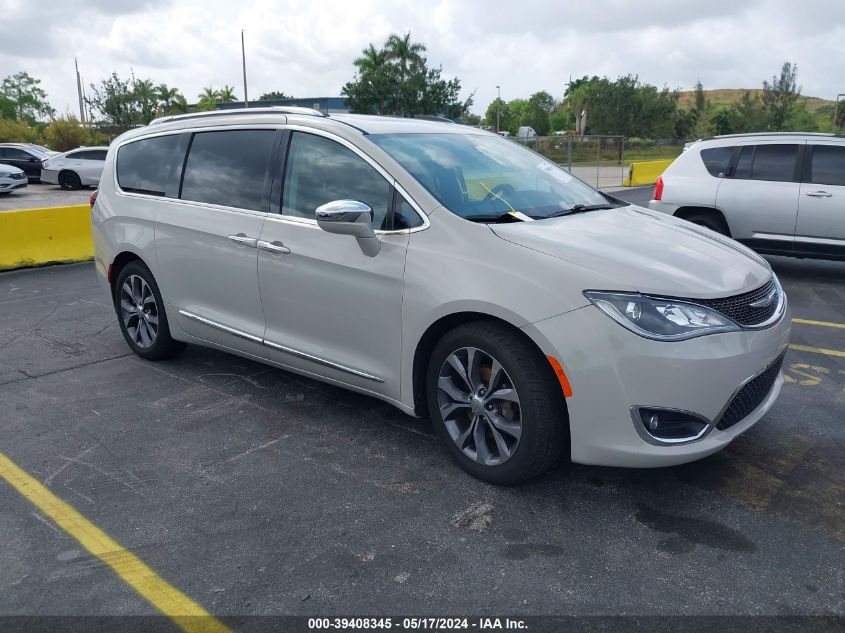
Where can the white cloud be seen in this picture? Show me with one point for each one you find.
(306, 48)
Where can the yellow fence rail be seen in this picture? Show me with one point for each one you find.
(646, 172)
(33, 237)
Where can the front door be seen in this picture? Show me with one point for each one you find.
(821, 208)
(330, 309)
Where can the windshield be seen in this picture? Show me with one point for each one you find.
(487, 177)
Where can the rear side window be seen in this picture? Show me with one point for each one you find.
(228, 168)
(148, 166)
(717, 160)
(743, 163)
(774, 162)
(827, 166)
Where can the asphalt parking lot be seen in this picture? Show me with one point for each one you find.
(37, 195)
(255, 491)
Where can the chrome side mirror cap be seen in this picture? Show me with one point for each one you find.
(350, 217)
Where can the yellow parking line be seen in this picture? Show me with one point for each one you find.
(821, 323)
(184, 612)
(816, 350)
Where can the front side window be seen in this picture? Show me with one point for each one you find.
(486, 178)
(148, 166)
(228, 168)
(827, 166)
(319, 170)
(13, 153)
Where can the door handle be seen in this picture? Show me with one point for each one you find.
(819, 194)
(242, 240)
(274, 248)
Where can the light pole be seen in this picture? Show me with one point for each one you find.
(243, 57)
(498, 107)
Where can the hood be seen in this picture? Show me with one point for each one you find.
(652, 252)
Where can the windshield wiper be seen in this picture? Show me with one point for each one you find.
(581, 208)
(507, 216)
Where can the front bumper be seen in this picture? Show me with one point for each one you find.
(10, 184)
(612, 369)
(49, 176)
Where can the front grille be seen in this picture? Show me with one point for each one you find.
(18, 176)
(738, 308)
(751, 395)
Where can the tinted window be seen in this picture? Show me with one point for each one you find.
(743, 164)
(717, 159)
(13, 153)
(93, 154)
(320, 171)
(404, 216)
(774, 162)
(228, 168)
(149, 165)
(75, 155)
(827, 167)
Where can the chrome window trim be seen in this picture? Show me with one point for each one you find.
(282, 348)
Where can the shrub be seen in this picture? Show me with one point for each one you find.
(65, 133)
(12, 131)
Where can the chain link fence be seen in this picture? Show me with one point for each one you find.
(596, 159)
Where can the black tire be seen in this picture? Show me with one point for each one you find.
(138, 337)
(710, 221)
(69, 181)
(541, 407)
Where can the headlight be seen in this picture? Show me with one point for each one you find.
(5, 174)
(660, 319)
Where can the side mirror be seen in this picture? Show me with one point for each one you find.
(350, 217)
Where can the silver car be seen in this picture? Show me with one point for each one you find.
(447, 271)
(81, 167)
(11, 178)
(779, 193)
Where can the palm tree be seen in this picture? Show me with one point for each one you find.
(167, 98)
(146, 97)
(407, 55)
(180, 105)
(227, 94)
(208, 98)
(371, 60)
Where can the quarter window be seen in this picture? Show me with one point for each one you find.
(228, 168)
(320, 170)
(149, 165)
(827, 167)
(717, 160)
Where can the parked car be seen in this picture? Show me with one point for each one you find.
(81, 167)
(780, 194)
(11, 178)
(444, 270)
(24, 156)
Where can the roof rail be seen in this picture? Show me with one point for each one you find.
(232, 111)
(432, 117)
(787, 134)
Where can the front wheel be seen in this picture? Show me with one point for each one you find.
(496, 404)
(69, 181)
(140, 311)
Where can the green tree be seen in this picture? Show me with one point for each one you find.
(114, 102)
(180, 105)
(146, 99)
(700, 112)
(65, 133)
(396, 79)
(208, 98)
(749, 114)
(15, 131)
(780, 96)
(226, 94)
(498, 108)
(723, 120)
(168, 98)
(561, 120)
(540, 106)
(28, 100)
(274, 96)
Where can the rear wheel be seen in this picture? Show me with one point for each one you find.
(140, 311)
(710, 221)
(495, 403)
(69, 181)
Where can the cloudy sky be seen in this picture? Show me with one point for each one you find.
(306, 47)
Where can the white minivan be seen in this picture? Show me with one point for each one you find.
(447, 271)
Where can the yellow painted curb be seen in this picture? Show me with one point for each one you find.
(32, 237)
(646, 172)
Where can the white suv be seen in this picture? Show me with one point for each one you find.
(779, 193)
(447, 271)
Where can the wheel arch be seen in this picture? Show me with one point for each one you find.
(688, 211)
(118, 263)
(437, 330)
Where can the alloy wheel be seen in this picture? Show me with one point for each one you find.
(479, 406)
(139, 311)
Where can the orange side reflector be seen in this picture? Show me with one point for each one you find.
(561, 376)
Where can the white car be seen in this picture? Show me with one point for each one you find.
(447, 271)
(11, 178)
(779, 193)
(81, 167)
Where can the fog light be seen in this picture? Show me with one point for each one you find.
(672, 426)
